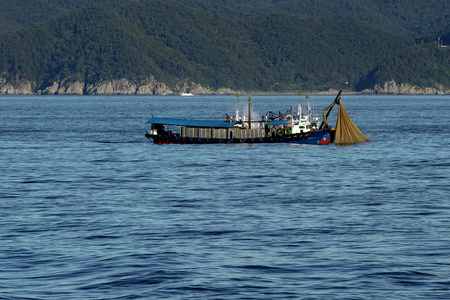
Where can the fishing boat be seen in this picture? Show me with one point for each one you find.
(186, 94)
(290, 127)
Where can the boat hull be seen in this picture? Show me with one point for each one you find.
(314, 137)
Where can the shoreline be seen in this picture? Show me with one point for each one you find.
(154, 87)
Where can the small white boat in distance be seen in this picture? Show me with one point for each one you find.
(186, 94)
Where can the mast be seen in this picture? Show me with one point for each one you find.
(249, 112)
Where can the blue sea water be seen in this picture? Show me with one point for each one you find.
(91, 209)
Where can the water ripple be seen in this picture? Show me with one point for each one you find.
(91, 210)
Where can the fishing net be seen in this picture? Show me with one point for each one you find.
(346, 130)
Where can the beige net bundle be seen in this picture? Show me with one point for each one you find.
(346, 131)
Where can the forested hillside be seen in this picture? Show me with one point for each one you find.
(17, 14)
(174, 43)
(413, 18)
(403, 17)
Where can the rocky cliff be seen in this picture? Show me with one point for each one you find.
(392, 88)
(18, 88)
(150, 86)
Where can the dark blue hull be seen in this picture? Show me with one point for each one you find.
(313, 137)
(317, 137)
